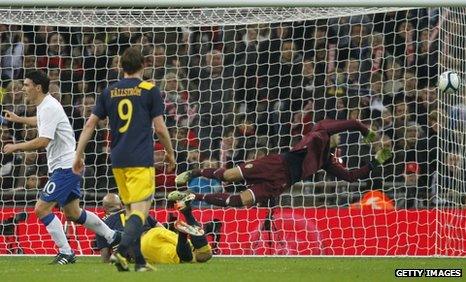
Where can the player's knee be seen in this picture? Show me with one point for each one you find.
(202, 256)
(41, 210)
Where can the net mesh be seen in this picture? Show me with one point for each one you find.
(448, 185)
(245, 82)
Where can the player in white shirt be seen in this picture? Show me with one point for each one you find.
(56, 135)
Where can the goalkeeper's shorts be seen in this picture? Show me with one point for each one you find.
(135, 184)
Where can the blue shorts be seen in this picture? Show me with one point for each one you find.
(63, 187)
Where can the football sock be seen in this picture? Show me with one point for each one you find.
(183, 250)
(215, 173)
(188, 215)
(136, 248)
(93, 222)
(55, 229)
(197, 241)
(133, 230)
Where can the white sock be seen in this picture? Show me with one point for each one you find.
(96, 224)
(55, 229)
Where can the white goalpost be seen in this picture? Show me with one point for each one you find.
(242, 79)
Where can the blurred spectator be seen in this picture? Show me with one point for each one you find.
(178, 111)
(56, 52)
(13, 100)
(96, 155)
(6, 161)
(310, 86)
(378, 51)
(246, 67)
(426, 59)
(164, 181)
(393, 78)
(402, 115)
(215, 102)
(357, 47)
(155, 64)
(447, 187)
(193, 159)
(414, 193)
(96, 61)
(33, 182)
(115, 72)
(228, 154)
(405, 43)
(39, 38)
(11, 58)
(302, 121)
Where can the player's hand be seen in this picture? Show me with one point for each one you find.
(383, 155)
(170, 160)
(78, 165)
(10, 116)
(370, 137)
(10, 148)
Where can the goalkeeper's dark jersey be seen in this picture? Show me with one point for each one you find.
(116, 221)
(130, 105)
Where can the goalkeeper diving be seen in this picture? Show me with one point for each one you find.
(158, 244)
(270, 176)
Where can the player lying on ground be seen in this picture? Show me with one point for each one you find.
(158, 244)
(269, 176)
(56, 135)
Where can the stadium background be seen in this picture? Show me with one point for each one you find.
(237, 92)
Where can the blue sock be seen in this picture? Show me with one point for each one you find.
(133, 230)
(183, 249)
(47, 219)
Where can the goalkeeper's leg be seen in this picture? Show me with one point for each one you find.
(245, 198)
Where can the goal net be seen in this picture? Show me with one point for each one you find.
(448, 180)
(241, 83)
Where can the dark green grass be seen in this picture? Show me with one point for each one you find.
(89, 269)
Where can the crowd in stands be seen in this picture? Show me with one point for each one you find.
(235, 93)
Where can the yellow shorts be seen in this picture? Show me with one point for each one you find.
(158, 245)
(135, 184)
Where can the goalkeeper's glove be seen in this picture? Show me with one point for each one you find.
(382, 156)
(370, 137)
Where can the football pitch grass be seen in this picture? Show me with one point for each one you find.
(89, 269)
